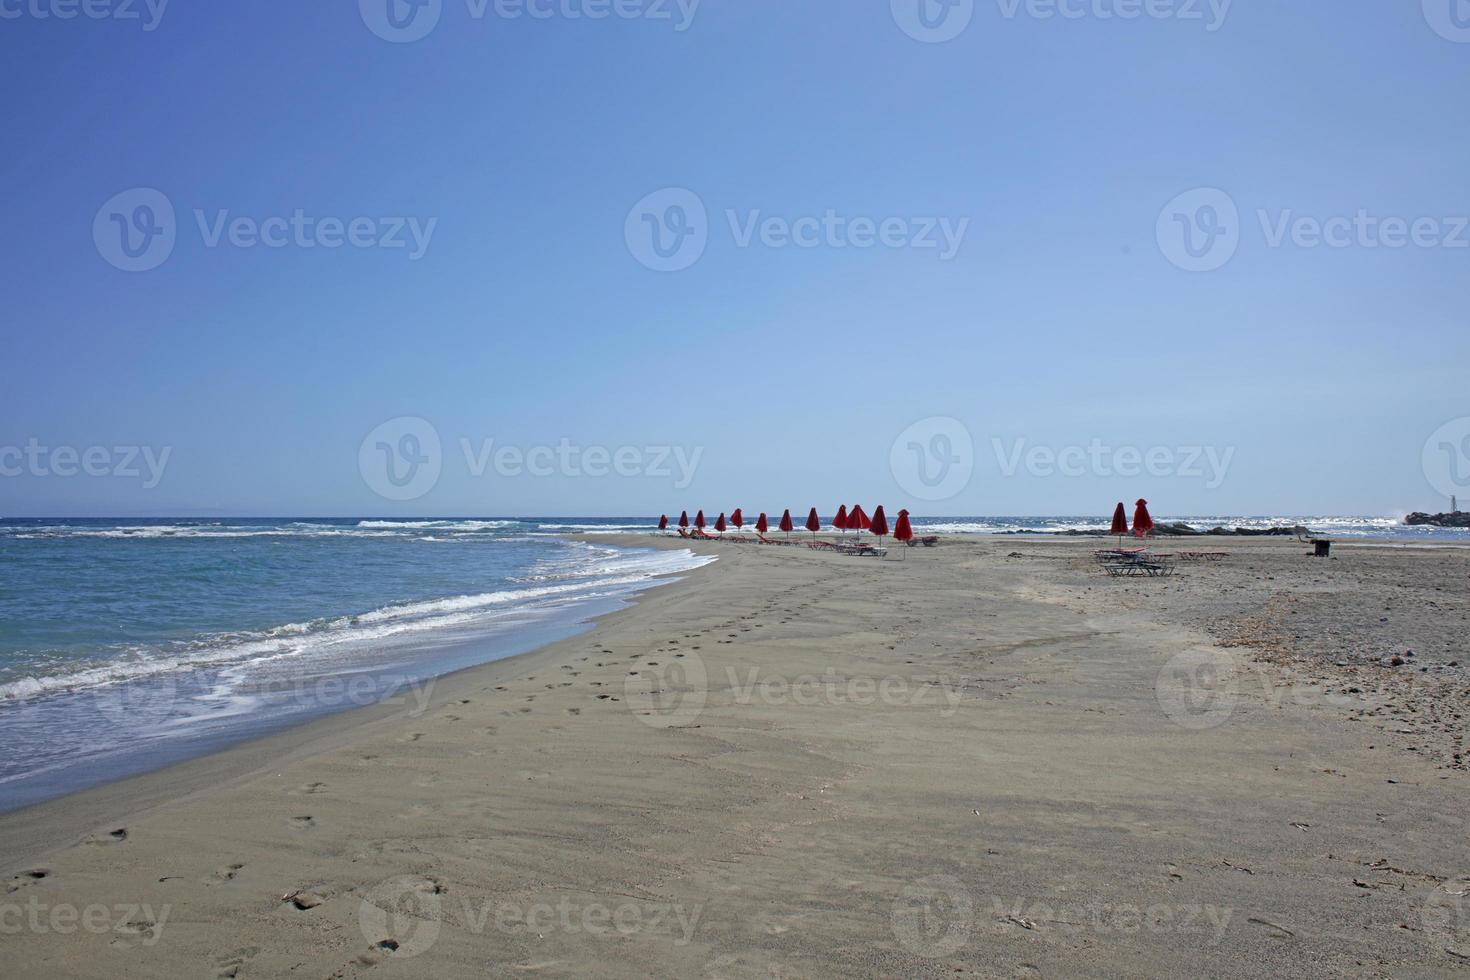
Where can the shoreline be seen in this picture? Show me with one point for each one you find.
(30, 832)
(1001, 731)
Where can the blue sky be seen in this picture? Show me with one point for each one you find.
(785, 375)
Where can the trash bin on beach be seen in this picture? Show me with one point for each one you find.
(1322, 548)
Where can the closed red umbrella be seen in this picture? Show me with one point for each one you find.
(840, 521)
(720, 523)
(737, 518)
(1120, 523)
(857, 520)
(903, 532)
(761, 524)
(813, 523)
(786, 524)
(683, 518)
(663, 523)
(699, 520)
(1142, 523)
(880, 522)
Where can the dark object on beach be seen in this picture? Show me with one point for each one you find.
(1439, 520)
(1322, 548)
(786, 524)
(683, 518)
(663, 523)
(762, 525)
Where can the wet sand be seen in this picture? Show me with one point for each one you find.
(987, 759)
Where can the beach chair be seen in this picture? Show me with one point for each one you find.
(1131, 564)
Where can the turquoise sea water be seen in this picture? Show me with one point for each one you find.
(125, 645)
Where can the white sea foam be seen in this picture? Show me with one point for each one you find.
(614, 572)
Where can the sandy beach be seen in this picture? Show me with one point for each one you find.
(985, 760)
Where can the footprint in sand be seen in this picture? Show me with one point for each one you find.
(302, 823)
(136, 932)
(111, 837)
(451, 717)
(228, 873)
(229, 967)
(574, 711)
(502, 688)
(309, 789)
(27, 878)
(412, 737)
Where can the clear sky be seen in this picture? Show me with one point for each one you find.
(787, 363)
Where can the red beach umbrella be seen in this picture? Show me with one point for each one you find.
(786, 524)
(880, 523)
(720, 523)
(663, 523)
(761, 524)
(840, 521)
(1120, 523)
(1142, 523)
(737, 518)
(857, 520)
(699, 520)
(683, 518)
(813, 523)
(902, 531)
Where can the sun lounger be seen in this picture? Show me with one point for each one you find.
(1128, 564)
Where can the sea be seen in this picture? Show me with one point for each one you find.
(127, 645)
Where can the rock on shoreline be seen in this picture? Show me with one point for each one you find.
(1438, 520)
(1182, 530)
